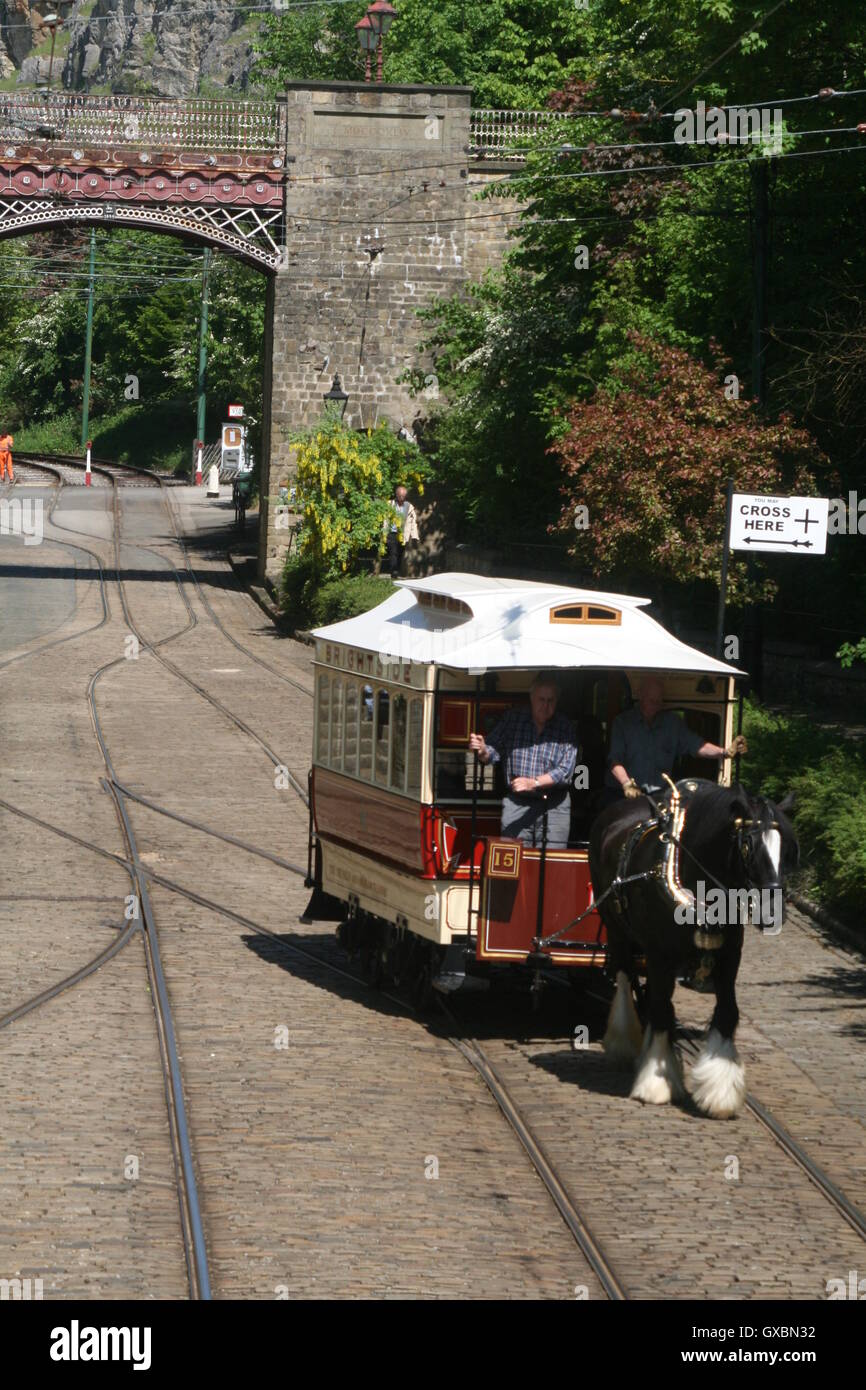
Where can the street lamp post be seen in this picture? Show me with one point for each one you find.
(337, 395)
(368, 39)
(381, 16)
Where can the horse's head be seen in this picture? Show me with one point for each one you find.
(765, 851)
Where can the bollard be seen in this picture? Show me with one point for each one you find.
(89, 446)
(199, 445)
(213, 481)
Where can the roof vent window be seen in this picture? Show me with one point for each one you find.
(585, 613)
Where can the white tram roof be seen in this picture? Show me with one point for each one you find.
(469, 622)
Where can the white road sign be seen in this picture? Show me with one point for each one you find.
(794, 524)
(236, 412)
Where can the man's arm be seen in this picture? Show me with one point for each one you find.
(616, 760)
(489, 749)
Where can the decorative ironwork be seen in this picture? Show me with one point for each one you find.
(505, 134)
(112, 122)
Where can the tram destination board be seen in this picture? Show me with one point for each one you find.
(794, 524)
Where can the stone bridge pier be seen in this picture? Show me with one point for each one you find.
(381, 219)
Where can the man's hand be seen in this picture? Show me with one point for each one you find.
(477, 745)
(522, 784)
(738, 746)
(631, 789)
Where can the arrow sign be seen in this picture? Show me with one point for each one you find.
(794, 524)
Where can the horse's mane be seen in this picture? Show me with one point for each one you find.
(711, 808)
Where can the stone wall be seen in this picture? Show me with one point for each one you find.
(382, 219)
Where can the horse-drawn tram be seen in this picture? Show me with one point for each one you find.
(406, 844)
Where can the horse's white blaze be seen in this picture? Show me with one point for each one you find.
(622, 1039)
(773, 846)
(659, 1079)
(718, 1078)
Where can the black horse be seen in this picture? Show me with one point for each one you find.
(715, 858)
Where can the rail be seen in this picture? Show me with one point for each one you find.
(73, 118)
(506, 134)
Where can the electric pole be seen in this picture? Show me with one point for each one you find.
(88, 342)
(202, 342)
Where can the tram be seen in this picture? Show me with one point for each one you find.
(405, 846)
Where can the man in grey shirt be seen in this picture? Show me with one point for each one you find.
(647, 740)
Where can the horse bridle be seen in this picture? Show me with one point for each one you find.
(745, 841)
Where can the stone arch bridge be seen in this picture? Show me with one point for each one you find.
(358, 202)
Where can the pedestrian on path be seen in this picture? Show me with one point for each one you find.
(6, 442)
(402, 528)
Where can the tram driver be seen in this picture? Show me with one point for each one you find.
(539, 750)
(646, 741)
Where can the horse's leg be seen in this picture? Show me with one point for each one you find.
(622, 1039)
(659, 1078)
(718, 1078)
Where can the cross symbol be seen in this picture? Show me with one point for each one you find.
(806, 521)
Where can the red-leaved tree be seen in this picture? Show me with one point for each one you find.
(649, 462)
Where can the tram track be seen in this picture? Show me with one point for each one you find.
(192, 1228)
(470, 1048)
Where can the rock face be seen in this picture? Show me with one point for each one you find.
(163, 47)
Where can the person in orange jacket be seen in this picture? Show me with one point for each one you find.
(6, 442)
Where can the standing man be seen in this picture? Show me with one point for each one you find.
(6, 442)
(646, 741)
(402, 529)
(540, 752)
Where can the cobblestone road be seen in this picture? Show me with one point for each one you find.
(318, 1109)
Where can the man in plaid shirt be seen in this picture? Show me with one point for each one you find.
(540, 751)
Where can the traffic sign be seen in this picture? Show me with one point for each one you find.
(236, 412)
(797, 525)
(232, 436)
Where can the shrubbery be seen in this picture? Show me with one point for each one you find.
(309, 602)
(827, 775)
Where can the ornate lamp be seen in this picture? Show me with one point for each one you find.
(337, 395)
(381, 16)
(368, 39)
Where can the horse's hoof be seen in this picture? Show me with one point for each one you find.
(659, 1079)
(718, 1078)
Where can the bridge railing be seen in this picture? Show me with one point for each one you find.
(71, 118)
(506, 134)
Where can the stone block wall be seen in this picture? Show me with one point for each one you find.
(382, 219)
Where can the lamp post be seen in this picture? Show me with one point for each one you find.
(337, 395)
(381, 16)
(368, 39)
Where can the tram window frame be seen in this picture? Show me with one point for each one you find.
(335, 752)
(415, 747)
(352, 723)
(381, 775)
(323, 719)
(398, 702)
(368, 720)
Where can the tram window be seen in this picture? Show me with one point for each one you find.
(365, 742)
(350, 747)
(324, 719)
(336, 761)
(416, 746)
(383, 710)
(398, 744)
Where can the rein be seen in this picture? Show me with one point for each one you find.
(672, 816)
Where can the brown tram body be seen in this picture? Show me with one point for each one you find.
(404, 826)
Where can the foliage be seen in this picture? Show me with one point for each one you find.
(513, 53)
(155, 438)
(349, 596)
(648, 461)
(345, 480)
(849, 652)
(829, 784)
(310, 603)
(145, 334)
